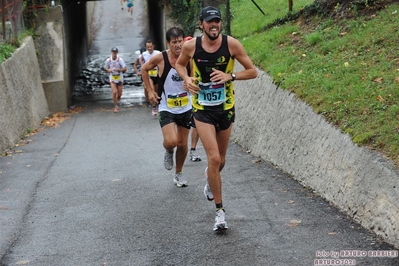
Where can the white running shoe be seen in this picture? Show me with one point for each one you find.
(207, 189)
(194, 156)
(168, 160)
(179, 180)
(220, 222)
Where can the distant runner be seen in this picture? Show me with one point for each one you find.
(152, 73)
(130, 7)
(115, 66)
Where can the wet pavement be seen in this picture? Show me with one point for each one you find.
(92, 190)
(113, 27)
(93, 84)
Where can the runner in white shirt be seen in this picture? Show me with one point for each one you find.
(138, 61)
(174, 103)
(115, 66)
(152, 73)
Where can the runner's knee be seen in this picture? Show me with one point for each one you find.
(215, 159)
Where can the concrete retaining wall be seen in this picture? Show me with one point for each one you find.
(23, 104)
(62, 44)
(49, 42)
(89, 17)
(285, 131)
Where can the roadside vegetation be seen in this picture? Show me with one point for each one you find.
(19, 18)
(8, 48)
(342, 60)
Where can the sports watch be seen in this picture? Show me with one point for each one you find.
(233, 77)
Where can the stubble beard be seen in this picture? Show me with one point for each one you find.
(212, 37)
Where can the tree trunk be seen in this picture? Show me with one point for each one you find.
(228, 18)
(3, 19)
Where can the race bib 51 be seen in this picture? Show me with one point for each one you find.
(177, 100)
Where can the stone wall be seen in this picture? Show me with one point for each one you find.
(285, 131)
(23, 104)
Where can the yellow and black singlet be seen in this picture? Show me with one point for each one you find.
(216, 97)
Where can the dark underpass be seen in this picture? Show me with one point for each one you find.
(90, 82)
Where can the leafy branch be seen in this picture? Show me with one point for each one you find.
(185, 12)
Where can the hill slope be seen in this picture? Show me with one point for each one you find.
(342, 58)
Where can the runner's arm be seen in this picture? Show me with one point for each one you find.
(123, 66)
(181, 63)
(149, 65)
(237, 50)
(191, 74)
(107, 67)
(135, 66)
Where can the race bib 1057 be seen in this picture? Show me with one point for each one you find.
(211, 94)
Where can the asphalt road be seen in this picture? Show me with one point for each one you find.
(93, 191)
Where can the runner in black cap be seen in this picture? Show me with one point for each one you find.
(212, 91)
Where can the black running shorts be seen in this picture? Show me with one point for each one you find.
(180, 119)
(192, 122)
(220, 119)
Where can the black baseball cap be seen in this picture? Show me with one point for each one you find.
(208, 13)
(114, 49)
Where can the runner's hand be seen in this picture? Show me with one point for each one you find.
(219, 76)
(153, 98)
(190, 85)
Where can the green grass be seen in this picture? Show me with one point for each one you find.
(248, 19)
(347, 70)
(8, 48)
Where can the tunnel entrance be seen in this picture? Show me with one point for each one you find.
(155, 23)
(129, 35)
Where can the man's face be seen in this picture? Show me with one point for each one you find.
(175, 45)
(114, 55)
(211, 28)
(150, 47)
